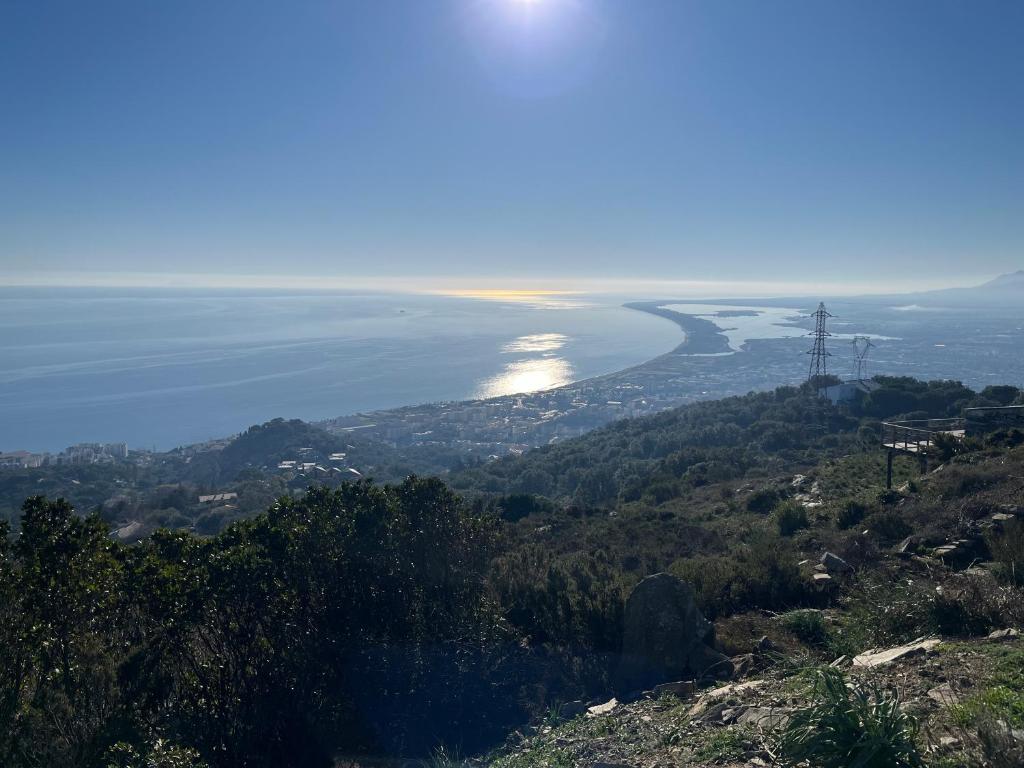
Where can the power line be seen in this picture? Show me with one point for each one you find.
(861, 346)
(819, 355)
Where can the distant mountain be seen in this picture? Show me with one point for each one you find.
(1014, 281)
(1005, 290)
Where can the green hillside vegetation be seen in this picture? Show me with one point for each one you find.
(399, 620)
(165, 491)
(659, 457)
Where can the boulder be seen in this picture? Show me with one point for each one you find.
(908, 546)
(666, 637)
(603, 709)
(877, 658)
(835, 564)
(1003, 634)
(962, 552)
(718, 698)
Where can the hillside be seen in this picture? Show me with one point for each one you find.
(666, 454)
(940, 558)
(406, 621)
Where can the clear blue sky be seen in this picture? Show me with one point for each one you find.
(512, 139)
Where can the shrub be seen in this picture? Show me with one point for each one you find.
(888, 526)
(959, 481)
(762, 574)
(790, 517)
(1007, 547)
(850, 513)
(763, 501)
(850, 724)
(660, 492)
(884, 611)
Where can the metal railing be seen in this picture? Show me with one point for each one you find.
(918, 435)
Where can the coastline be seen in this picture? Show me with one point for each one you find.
(533, 418)
(703, 337)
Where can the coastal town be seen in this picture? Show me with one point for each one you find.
(82, 453)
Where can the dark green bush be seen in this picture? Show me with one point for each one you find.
(763, 501)
(761, 574)
(851, 512)
(790, 517)
(888, 525)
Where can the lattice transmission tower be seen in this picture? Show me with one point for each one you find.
(861, 346)
(819, 355)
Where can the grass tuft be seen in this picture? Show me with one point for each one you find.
(850, 724)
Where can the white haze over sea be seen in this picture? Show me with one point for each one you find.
(161, 368)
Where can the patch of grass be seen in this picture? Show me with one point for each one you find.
(554, 715)
(1000, 702)
(808, 625)
(443, 758)
(852, 475)
(540, 757)
(850, 724)
(1002, 698)
(727, 744)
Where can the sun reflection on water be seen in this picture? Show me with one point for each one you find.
(537, 342)
(530, 374)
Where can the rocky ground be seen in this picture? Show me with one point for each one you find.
(739, 723)
(962, 685)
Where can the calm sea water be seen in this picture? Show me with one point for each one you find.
(160, 368)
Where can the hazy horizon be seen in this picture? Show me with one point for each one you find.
(489, 287)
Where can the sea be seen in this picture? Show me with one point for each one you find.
(163, 368)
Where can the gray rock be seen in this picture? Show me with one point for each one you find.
(877, 658)
(962, 552)
(1003, 634)
(835, 564)
(603, 709)
(765, 718)
(666, 636)
(907, 547)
